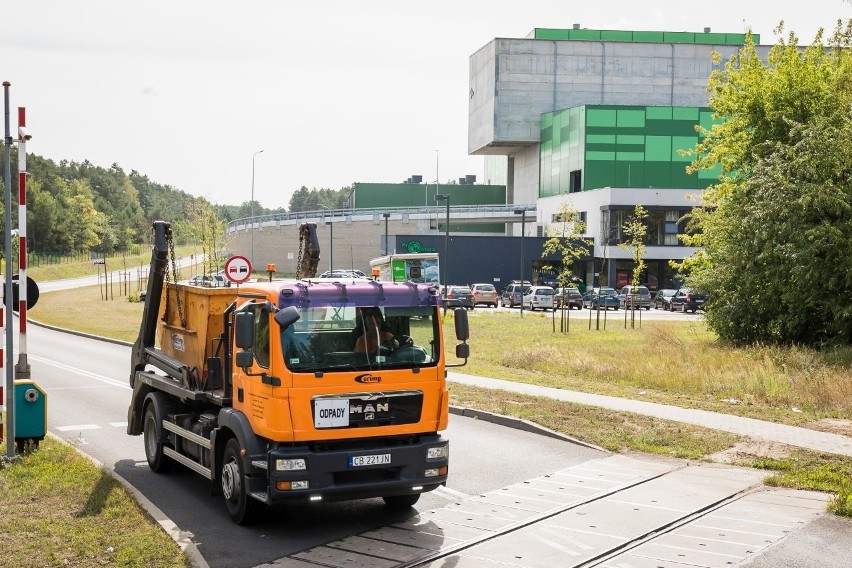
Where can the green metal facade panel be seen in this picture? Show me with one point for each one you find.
(377, 195)
(622, 146)
(643, 36)
(561, 150)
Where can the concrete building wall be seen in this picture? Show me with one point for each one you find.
(526, 180)
(481, 110)
(495, 170)
(354, 245)
(519, 79)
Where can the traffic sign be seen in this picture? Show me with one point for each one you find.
(237, 269)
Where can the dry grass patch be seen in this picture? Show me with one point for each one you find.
(670, 362)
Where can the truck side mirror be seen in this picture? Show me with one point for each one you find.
(287, 317)
(244, 330)
(245, 359)
(462, 328)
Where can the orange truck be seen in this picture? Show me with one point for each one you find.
(265, 389)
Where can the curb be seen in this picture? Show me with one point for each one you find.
(79, 333)
(520, 424)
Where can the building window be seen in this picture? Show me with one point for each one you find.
(575, 182)
(671, 229)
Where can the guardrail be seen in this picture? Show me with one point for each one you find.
(456, 211)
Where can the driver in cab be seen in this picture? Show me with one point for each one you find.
(374, 333)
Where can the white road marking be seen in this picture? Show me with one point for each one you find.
(108, 380)
(448, 493)
(118, 424)
(78, 427)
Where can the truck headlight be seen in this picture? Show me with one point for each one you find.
(290, 464)
(438, 452)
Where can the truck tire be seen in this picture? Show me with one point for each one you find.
(401, 501)
(152, 430)
(241, 506)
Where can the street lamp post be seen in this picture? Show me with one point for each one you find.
(330, 238)
(387, 248)
(523, 214)
(446, 264)
(251, 256)
(330, 245)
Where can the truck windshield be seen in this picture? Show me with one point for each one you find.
(352, 337)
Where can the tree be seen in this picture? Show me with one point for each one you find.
(775, 228)
(80, 226)
(635, 229)
(565, 240)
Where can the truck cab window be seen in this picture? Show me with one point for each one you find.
(261, 336)
(326, 338)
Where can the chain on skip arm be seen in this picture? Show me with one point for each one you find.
(308, 259)
(171, 244)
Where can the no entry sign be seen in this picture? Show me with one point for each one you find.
(237, 269)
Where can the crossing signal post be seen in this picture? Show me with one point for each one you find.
(26, 403)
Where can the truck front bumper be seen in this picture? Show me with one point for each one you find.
(358, 471)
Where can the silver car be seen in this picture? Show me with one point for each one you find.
(539, 297)
(634, 297)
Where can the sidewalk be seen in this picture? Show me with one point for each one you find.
(791, 435)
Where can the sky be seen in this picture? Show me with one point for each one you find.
(188, 92)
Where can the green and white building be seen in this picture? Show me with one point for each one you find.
(600, 118)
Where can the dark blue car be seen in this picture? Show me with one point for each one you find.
(604, 297)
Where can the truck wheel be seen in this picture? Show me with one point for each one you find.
(241, 507)
(401, 501)
(153, 434)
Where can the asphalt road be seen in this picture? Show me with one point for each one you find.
(87, 386)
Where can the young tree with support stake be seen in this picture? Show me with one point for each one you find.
(635, 229)
(566, 241)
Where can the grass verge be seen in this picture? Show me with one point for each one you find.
(58, 509)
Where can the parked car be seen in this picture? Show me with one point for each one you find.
(513, 293)
(459, 296)
(635, 297)
(685, 300)
(209, 281)
(604, 297)
(570, 297)
(484, 294)
(663, 298)
(538, 297)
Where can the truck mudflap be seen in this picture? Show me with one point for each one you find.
(346, 473)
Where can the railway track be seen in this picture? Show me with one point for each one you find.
(614, 512)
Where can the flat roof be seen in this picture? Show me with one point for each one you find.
(582, 34)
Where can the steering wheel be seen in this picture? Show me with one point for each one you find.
(404, 340)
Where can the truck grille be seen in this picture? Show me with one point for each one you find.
(373, 409)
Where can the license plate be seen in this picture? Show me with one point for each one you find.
(331, 413)
(375, 459)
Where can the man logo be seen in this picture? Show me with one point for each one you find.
(367, 379)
